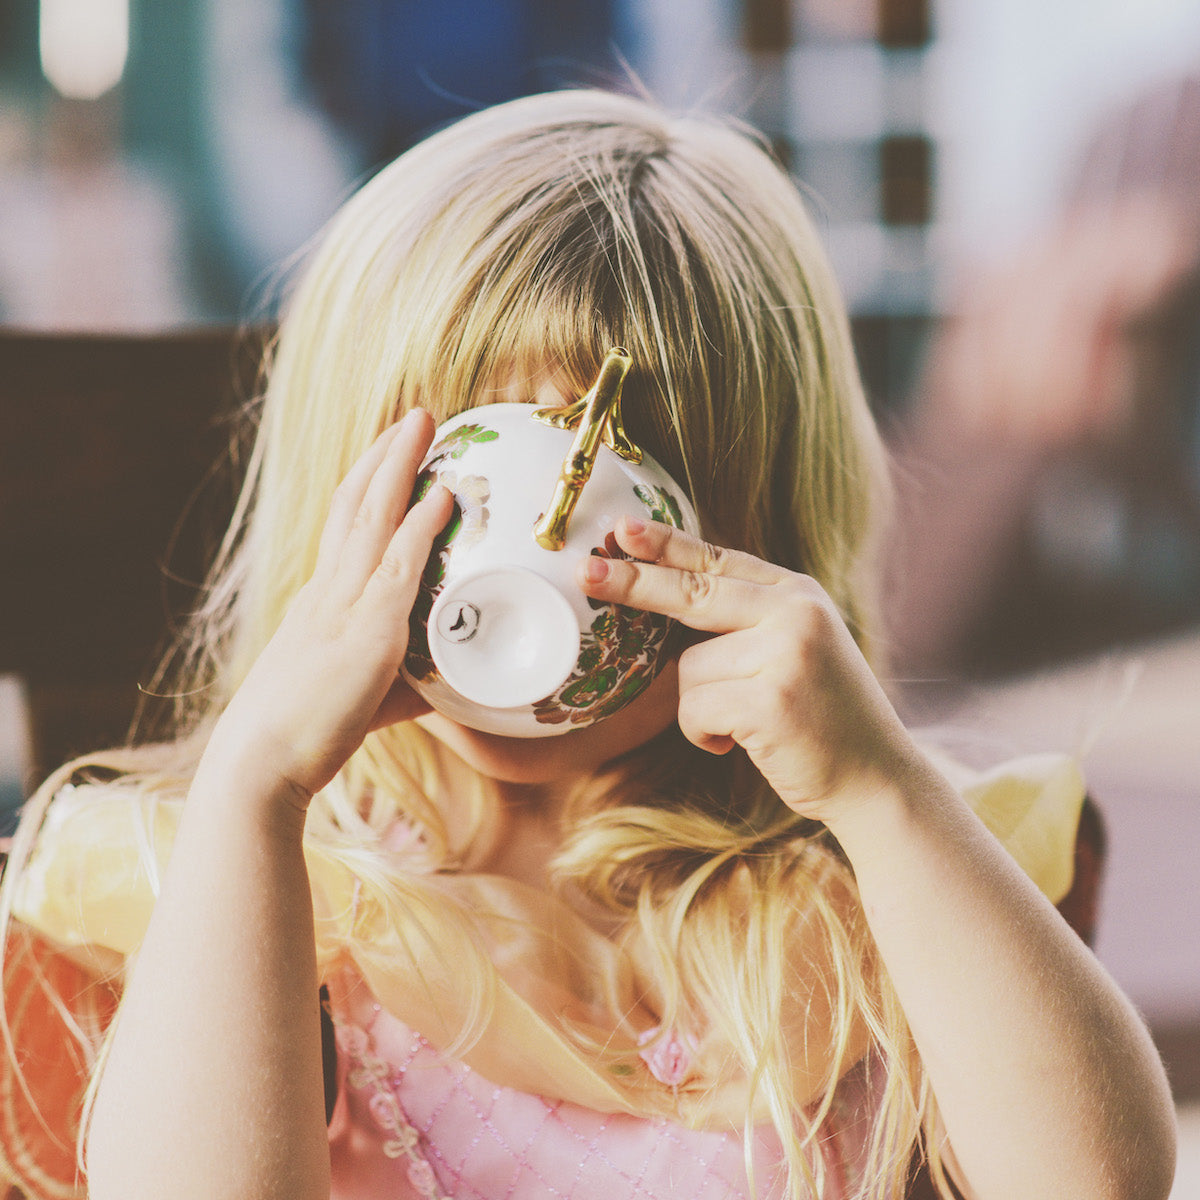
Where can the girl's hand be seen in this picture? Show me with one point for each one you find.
(330, 674)
(781, 677)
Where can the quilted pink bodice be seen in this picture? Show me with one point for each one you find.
(412, 1124)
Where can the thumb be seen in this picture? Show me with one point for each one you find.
(400, 704)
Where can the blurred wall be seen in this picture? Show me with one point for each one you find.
(239, 124)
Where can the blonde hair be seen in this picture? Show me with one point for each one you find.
(522, 242)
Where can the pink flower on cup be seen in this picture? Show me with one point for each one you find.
(667, 1057)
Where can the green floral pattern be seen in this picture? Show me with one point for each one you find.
(662, 505)
(458, 441)
(467, 525)
(617, 662)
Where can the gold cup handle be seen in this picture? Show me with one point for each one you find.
(594, 417)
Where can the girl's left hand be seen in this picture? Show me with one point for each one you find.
(781, 677)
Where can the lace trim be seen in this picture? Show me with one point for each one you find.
(372, 1074)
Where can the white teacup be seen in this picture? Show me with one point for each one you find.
(502, 638)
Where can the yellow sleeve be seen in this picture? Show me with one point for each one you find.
(1032, 805)
(94, 873)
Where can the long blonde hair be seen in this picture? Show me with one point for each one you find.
(526, 240)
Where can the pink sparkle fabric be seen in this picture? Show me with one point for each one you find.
(411, 1124)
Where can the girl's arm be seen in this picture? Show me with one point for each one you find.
(1046, 1079)
(213, 1084)
(213, 1087)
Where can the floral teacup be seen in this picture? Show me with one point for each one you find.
(502, 638)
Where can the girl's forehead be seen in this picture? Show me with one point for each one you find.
(547, 386)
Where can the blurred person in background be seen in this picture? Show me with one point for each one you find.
(1050, 463)
(301, 98)
(388, 71)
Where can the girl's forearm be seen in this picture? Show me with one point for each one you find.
(213, 1087)
(1046, 1079)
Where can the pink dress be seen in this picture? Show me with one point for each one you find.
(411, 1124)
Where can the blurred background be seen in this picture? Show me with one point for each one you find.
(1010, 194)
(159, 160)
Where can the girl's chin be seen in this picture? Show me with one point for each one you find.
(506, 759)
(543, 760)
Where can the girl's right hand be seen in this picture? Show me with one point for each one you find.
(330, 674)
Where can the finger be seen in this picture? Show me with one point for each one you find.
(699, 600)
(711, 716)
(384, 502)
(348, 497)
(736, 655)
(392, 586)
(400, 704)
(652, 541)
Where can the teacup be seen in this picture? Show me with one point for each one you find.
(502, 638)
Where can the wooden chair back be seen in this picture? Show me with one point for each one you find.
(105, 441)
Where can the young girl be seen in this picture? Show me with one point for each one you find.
(743, 938)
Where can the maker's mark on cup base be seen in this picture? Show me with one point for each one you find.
(458, 622)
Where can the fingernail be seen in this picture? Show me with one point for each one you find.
(634, 525)
(595, 569)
